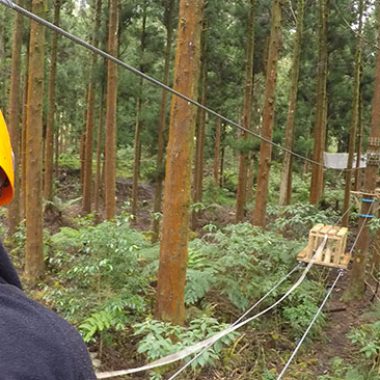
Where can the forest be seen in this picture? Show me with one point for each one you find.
(197, 182)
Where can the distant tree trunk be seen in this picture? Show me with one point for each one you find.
(82, 149)
(99, 149)
(137, 155)
(246, 117)
(354, 118)
(286, 177)
(200, 133)
(24, 126)
(357, 285)
(137, 142)
(3, 66)
(250, 178)
(14, 214)
(34, 259)
(110, 143)
(168, 20)
(222, 159)
(218, 138)
(175, 227)
(316, 189)
(259, 214)
(49, 139)
(88, 153)
(56, 152)
(358, 172)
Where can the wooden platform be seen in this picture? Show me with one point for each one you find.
(333, 255)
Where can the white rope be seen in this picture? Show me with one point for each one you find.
(213, 339)
(340, 274)
(238, 320)
(323, 303)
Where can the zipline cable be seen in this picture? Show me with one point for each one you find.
(102, 53)
(206, 344)
(216, 337)
(323, 303)
(244, 315)
(238, 320)
(340, 274)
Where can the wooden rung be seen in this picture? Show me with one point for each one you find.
(342, 231)
(333, 254)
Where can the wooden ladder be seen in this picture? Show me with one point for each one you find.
(333, 255)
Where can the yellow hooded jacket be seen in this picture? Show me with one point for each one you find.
(6, 162)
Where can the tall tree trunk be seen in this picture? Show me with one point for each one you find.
(3, 67)
(359, 172)
(354, 118)
(286, 176)
(110, 147)
(218, 138)
(34, 260)
(168, 20)
(137, 142)
(259, 214)
(82, 149)
(246, 117)
(99, 149)
(137, 155)
(14, 214)
(24, 125)
(88, 154)
(175, 227)
(56, 152)
(200, 133)
(357, 285)
(316, 189)
(49, 139)
(222, 159)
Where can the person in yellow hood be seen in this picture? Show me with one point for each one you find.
(36, 344)
(6, 164)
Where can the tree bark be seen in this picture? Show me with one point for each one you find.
(241, 196)
(99, 149)
(286, 176)
(354, 118)
(24, 124)
(316, 189)
(218, 138)
(49, 138)
(359, 172)
(14, 213)
(137, 142)
(259, 214)
(357, 284)
(169, 7)
(175, 227)
(88, 153)
(110, 144)
(34, 260)
(200, 132)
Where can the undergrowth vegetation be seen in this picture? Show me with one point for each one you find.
(103, 280)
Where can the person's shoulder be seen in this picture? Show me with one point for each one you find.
(41, 336)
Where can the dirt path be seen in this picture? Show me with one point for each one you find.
(341, 318)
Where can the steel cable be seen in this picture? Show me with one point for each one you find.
(340, 274)
(213, 339)
(322, 305)
(102, 53)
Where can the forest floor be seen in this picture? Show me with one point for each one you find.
(315, 358)
(341, 318)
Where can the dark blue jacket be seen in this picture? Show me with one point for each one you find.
(35, 343)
